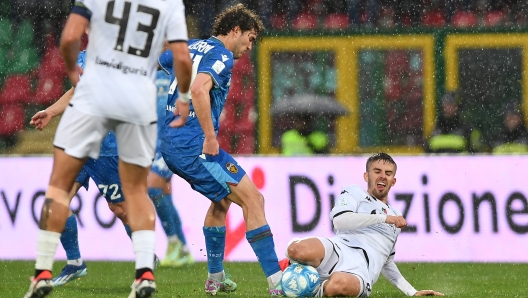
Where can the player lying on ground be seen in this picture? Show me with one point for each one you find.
(192, 151)
(366, 228)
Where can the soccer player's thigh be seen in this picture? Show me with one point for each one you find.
(78, 136)
(208, 175)
(104, 172)
(347, 274)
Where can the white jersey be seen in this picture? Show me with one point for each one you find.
(377, 240)
(125, 40)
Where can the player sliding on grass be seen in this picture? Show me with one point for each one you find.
(367, 228)
(192, 152)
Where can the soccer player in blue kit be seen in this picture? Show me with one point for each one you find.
(160, 190)
(192, 152)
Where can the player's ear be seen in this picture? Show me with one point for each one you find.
(237, 30)
(393, 181)
(365, 176)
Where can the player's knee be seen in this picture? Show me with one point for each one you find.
(340, 285)
(296, 251)
(155, 193)
(119, 211)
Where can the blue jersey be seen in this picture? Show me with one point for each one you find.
(163, 81)
(211, 57)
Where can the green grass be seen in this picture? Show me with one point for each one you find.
(113, 279)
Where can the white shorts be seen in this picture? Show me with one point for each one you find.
(81, 134)
(340, 257)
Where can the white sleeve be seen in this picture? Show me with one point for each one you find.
(393, 275)
(176, 26)
(348, 200)
(351, 220)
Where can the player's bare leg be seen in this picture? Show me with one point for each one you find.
(53, 219)
(119, 210)
(311, 251)
(141, 218)
(307, 251)
(258, 232)
(341, 284)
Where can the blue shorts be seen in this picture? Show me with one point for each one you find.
(160, 167)
(208, 175)
(105, 174)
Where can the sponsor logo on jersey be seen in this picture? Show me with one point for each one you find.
(343, 202)
(119, 66)
(231, 167)
(218, 66)
(201, 46)
(344, 191)
(368, 199)
(224, 58)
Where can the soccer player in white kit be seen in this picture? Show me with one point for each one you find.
(117, 93)
(366, 228)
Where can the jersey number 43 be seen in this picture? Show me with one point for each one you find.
(123, 25)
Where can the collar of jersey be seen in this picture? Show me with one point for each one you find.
(217, 40)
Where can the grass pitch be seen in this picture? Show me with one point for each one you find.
(113, 279)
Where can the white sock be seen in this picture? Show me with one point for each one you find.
(144, 246)
(274, 279)
(47, 242)
(219, 276)
(77, 262)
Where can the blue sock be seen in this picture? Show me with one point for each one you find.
(163, 209)
(175, 218)
(69, 239)
(261, 240)
(215, 245)
(128, 230)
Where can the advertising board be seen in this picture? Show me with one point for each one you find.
(458, 208)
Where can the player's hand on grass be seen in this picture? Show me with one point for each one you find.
(75, 75)
(398, 221)
(428, 293)
(210, 146)
(40, 119)
(182, 110)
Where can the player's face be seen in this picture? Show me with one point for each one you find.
(244, 42)
(380, 178)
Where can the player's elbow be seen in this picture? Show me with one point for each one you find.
(197, 91)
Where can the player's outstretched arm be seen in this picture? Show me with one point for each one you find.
(200, 88)
(71, 43)
(391, 272)
(42, 118)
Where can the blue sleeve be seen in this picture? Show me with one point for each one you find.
(218, 64)
(165, 60)
(80, 9)
(83, 178)
(81, 59)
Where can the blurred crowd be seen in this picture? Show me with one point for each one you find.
(30, 32)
